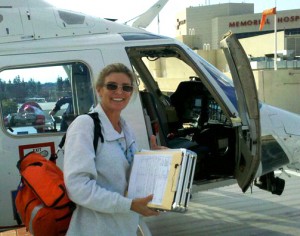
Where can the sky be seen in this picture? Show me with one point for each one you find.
(42, 74)
(126, 10)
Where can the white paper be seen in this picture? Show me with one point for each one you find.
(149, 175)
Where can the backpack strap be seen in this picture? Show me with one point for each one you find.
(97, 131)
(62, 141)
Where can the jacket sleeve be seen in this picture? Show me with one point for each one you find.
(80, 172)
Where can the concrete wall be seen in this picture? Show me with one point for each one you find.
(279, 88)
(258, 46)
(193, 41)
(215, 57)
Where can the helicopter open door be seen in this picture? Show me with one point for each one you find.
(249, 140)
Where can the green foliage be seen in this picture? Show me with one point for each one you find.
(9, 106)
(18, 90)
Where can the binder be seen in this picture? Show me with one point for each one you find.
(167, 173)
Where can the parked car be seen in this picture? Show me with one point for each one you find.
(29, 114)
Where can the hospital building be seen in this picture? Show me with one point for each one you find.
(202, 27)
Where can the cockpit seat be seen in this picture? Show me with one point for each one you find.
(187, 100)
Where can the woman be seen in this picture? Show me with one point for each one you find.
(98, 183)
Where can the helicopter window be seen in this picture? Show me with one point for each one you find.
(168, 72)
(38, 100)
(175, 99)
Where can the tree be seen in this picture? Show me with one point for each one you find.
(60, 84)
(31, 88)
(19, 89)
(67, 85)
(9, 106)
(2, 89)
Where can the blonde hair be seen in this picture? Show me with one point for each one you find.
(114, 68)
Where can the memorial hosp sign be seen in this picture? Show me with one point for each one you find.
(285, 19)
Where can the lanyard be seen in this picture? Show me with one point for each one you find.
(128, 152)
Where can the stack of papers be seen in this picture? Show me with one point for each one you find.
(157, 173)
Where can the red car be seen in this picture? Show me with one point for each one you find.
(29, 114)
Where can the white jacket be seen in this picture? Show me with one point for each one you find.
(97, 183)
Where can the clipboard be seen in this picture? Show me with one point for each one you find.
(167, 173)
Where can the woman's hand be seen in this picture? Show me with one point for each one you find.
(139, 205)
(153, 144)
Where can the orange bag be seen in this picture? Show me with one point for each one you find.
(42, 200)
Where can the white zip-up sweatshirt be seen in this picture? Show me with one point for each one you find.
(97, 183)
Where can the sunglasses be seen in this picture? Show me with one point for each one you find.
(114, 86)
